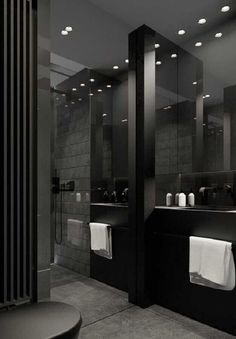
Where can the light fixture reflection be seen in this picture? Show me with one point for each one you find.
(202, 21)
(64, 32)
(218, 35)
(69, 29)
(181, 32)
(225, 9)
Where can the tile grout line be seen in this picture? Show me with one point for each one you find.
(108, 316)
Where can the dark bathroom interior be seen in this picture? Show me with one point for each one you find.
(118, 185)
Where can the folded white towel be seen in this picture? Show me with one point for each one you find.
(99, 236)
(101, 239)
(211, 263)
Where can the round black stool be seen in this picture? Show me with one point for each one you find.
(40, 321)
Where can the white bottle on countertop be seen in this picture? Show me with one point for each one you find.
(182, 200)
(191, 199)
(168, 199)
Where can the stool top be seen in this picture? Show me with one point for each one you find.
(40, 321)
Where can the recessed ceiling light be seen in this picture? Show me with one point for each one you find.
(204, 125)
(64, 32)
(82, 85)
(126, 61)
(72, 102)
(218, 35)
(63, 95)
(91, 80)
(225, 9)
(198, 44)
(74, 89)
(174, 55)
(66, 106)
(91, 94)
(69, 29)
(202, 21)
(203, 96)
(80, 99)
(57, 98)
(195, 83)
(99, 90)
(108, 86)
(158, 62)
(207, 96)
(157, 45)
(181, 32)
(115, 67)
(104, 115)
(124, 120)
(167, 107)
(195, 118)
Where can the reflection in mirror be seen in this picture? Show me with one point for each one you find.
(195, 113)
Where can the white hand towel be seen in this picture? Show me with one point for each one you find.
(99, 236)
(211, 263)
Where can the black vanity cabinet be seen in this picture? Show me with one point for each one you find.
(169, 265)
(113, 272)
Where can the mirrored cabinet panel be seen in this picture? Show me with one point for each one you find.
(195, 118)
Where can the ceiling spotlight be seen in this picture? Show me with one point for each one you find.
(80, 99)
(63, 95)
(124, 120)
(174, 55)
(91, 94)
(203, 96)
(158, 62)
(82, 85)
(69, 29)
(202, 21)
(108, 86)
(198, 44)
(72, 102)
(167, 107)
(225, 9)
(91, 80)
(74, 89)
(104, 115)
(100, 90)
(181, 32)
(218, 35)
(195, 83)
(126, 61)
(57, 98)
(64, 32)
(115, 67)
(207, 96)
(66, 106)
(157, 45)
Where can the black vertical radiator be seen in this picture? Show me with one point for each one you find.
(18, 145)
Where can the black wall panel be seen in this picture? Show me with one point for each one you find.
(18, 150)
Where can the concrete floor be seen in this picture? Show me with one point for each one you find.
(107, 314)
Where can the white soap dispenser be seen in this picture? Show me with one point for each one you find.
(191, 199)
(168, 199)
(182, 199)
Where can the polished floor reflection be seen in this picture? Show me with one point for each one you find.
(107, 314)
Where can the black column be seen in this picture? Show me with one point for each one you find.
(141, 156)
(18, 151)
